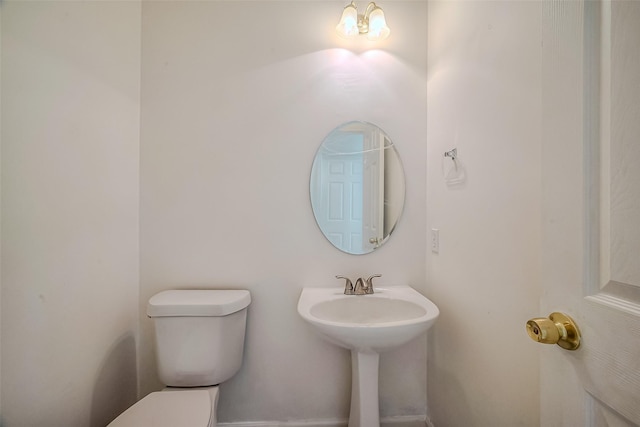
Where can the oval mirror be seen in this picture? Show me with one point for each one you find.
(357, 187)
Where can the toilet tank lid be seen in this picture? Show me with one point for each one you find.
(187, 302)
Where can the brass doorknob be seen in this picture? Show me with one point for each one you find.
(557, 329)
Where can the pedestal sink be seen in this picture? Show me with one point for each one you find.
(367, 325)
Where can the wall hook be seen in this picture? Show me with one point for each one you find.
(452, 153)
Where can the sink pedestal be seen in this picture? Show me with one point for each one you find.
(364, 390)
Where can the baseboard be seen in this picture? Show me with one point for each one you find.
(400, 421)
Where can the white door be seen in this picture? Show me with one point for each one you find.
(340, 182)
(591, 210)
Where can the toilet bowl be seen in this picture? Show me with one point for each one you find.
(199, 344)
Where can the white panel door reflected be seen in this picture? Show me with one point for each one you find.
(341, 182)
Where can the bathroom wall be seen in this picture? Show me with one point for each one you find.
(70, 163)
(236, 98)
(484, 98)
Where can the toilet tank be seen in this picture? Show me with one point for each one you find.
(199, 335)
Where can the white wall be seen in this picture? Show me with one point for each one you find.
(484, 98)
(70, 162)
(236, 98)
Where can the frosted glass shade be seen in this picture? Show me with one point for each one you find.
(348, 25)
(378, 29)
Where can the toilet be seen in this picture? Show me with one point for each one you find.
(199, 344)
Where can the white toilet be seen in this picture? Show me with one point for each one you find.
(199, 344)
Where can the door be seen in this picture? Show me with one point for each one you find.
(340, 182)
(591, 210)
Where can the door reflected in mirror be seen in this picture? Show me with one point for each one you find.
(357, 187)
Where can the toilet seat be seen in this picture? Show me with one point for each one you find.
(184, 408)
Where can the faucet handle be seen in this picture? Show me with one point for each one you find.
(348, 285)
(369, 288)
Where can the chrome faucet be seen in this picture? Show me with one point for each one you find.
(362, 286)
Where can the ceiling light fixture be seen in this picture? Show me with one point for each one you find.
(372, 23)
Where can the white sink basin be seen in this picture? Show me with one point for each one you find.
(390, 317)
(367, 325)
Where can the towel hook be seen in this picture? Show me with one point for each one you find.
(452, 153)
